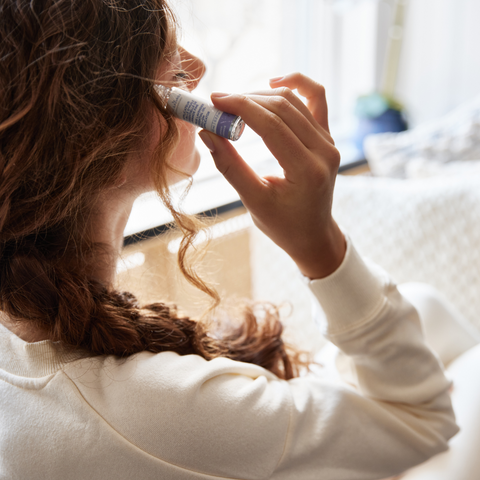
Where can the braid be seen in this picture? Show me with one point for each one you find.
(81, 313)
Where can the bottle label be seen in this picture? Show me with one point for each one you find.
(194, 110)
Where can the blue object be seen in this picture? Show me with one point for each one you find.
(390, 120)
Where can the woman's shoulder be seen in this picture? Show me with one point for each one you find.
(219, 411)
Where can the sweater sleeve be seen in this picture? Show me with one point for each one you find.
(227, 419)
(395, 411)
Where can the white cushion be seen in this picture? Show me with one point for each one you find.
(462, 461)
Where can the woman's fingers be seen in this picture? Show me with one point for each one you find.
(291, 97)
(296, 117)
(285, 146)
(311, 90)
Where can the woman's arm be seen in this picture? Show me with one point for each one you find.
(398, 411)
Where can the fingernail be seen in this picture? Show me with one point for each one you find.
(206, 139)
(276, 79)
(219, 94)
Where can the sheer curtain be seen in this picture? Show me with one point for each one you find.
(440, 64)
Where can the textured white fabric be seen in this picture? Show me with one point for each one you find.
(446, 330)
(166, 416)
(424, 230)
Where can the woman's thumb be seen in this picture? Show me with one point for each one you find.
(231, 165)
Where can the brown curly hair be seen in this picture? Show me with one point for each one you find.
(75, 79)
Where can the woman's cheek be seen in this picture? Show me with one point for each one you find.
(186, 157)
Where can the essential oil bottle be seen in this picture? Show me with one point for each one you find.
(196, 110)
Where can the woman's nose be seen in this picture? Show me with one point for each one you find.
(193, 66)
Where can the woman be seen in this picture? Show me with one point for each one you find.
(95, 386)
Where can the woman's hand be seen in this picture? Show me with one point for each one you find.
(294, 211)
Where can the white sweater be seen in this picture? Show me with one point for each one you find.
(165, 416)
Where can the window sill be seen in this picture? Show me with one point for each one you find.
(210, 192)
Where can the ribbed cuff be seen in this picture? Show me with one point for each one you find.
(351, 295)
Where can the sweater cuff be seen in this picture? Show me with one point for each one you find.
(353, 294)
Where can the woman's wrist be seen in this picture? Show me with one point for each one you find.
(323, 258)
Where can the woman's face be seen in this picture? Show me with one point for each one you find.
(185, 71)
